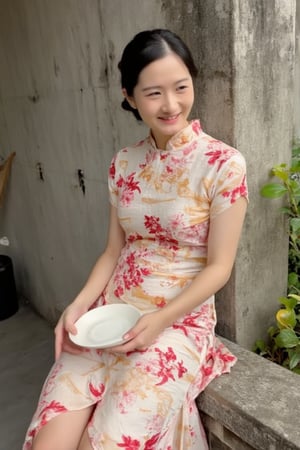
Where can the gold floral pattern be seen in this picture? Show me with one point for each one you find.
(145, 400)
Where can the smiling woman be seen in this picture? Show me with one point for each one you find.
(178, 200)
(150, 47)
(164, 97)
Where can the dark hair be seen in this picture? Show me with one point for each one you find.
(143, 49)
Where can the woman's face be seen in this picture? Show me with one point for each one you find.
(164, 97)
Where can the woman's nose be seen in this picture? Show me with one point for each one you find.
(169, 104)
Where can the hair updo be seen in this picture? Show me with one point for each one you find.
(145, 48)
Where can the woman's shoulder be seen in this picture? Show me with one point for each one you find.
(216, 149)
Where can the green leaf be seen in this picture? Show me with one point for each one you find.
(260, 345)
(286, 210)
(295, 167)
(294, 360)
(286, 318)
(296, 193)
(295, 297)
(292, 185)
(273, 190)
(289, 301)
(272, 331)
(281, 171)
(296, 151)
(287, 338)
(295, 224)
(293, 279)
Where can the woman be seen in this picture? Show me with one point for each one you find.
(178, 201)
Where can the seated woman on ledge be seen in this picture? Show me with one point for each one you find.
(178, 200)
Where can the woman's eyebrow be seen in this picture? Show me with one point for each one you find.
(182, 81)
(149, 88)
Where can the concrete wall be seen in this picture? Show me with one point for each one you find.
(245, 52)
(59, 110)
(297, 76)
(263, 85)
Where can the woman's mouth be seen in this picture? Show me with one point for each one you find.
(169, 119)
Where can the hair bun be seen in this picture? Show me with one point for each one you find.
(126, 105)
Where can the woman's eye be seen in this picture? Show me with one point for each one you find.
(152, 94)
(182, 88)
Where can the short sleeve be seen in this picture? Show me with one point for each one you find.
(229, 185)
(112, 187)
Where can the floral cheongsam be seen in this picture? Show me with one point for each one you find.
(145, 400)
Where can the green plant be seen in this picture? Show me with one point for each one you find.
(283, 346)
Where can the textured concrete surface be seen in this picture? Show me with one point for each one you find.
(246, 57)
(60, 112)
(258, 402)
(297, 75)
(26, 349)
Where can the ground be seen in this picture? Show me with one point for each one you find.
(26, 349)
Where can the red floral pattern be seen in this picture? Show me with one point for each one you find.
(112, 170)
(162, 235)
(97, 392)
(144, 400)
(239, 191)
(129, 186)
(129, 443)
(167, 365)
(219, 153)
(133, 276)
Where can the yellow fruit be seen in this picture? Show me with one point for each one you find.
(286, 318)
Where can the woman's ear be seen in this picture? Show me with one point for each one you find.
(129, 99)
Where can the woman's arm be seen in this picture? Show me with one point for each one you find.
(223, 240)
(92, 289)
(105, 265)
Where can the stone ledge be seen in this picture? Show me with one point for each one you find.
(258, 403)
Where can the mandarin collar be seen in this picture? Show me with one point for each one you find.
(181, 139)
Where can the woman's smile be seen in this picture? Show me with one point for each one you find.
(170, 119)
(164, 97)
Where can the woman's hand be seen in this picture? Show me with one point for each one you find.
(143, 334)
(64, 326)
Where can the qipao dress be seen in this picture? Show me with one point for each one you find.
(145, 400)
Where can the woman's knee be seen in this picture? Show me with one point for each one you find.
(63, 432)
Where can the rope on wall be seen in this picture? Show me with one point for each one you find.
(4, 174)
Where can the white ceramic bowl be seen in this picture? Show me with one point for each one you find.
(105, 326)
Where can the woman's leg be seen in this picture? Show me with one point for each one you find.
(85, 443)
(145, 397)
(63, 432)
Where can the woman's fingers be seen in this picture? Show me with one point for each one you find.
(143, 334)
(59, 332)
(70, 347)
(129, 346)
(137, 338)
(70, 327)
(134, 331)
(65, 344)
(65, 325)
(58, 346)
